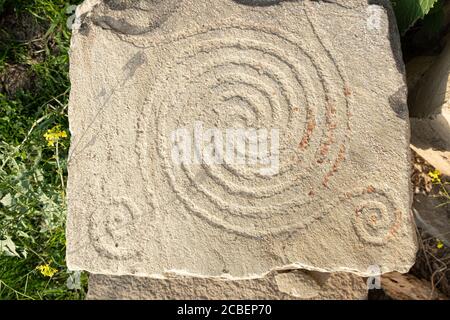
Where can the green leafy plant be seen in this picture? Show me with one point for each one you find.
(2, 4)
(437, 179)
(408, 12)
(34, 43)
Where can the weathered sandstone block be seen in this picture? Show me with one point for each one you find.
(325, 79)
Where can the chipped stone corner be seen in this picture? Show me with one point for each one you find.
(83, 10)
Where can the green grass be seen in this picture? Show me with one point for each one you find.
(32, 172)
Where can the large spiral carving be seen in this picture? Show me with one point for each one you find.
(243, 77)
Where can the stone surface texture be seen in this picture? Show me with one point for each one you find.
(433, 216)
(398, 286)
(289, 285)
(431, 94)
(429, 101)
(430, 138)
(328, 75)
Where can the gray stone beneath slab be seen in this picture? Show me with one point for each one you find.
(286, 285)
(432, 213)
(430, 138)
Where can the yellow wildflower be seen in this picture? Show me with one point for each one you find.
(46, 270)
(435, 176)
(439, 244)
(54, 135)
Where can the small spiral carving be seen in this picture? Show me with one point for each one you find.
(376, 218)
(113, 227)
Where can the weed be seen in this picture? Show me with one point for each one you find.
(33, 151)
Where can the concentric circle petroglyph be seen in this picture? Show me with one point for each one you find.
(247, 77)
(376, 218)
(112, 228)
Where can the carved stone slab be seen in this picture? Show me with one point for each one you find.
(327, 75)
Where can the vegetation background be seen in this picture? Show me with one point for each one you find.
(34, 64)
(34, 92)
